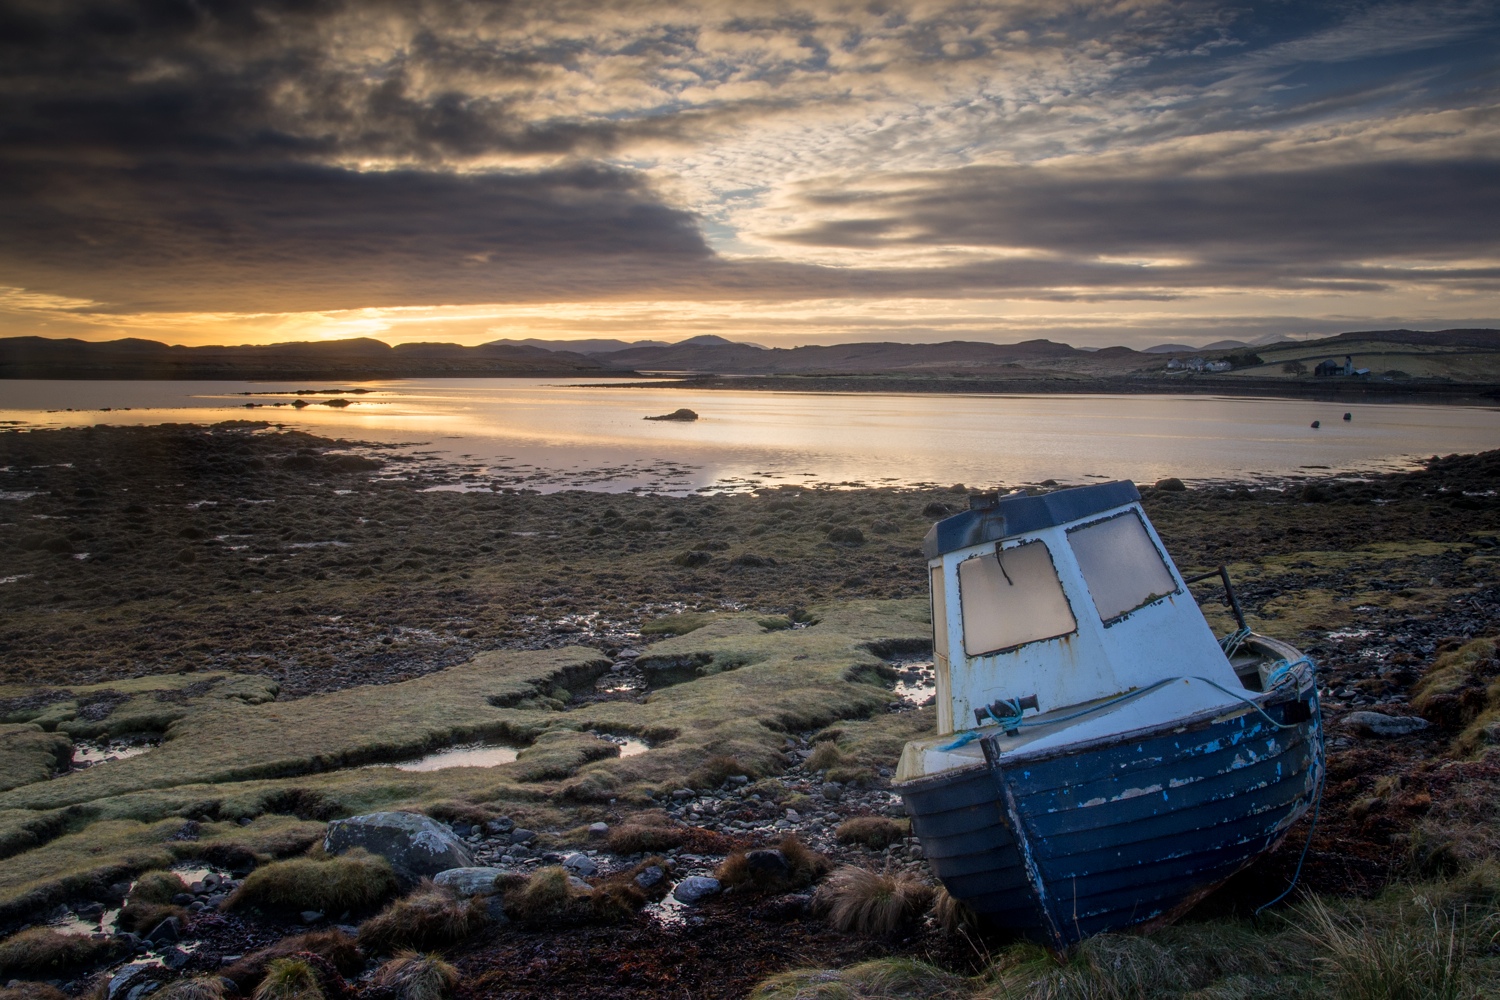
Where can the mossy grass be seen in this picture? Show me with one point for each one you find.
(414, 976)
(42, 951)
(551, 897)
(156, 887)
(24, 990)
(291, 978)
(877, 832)
(429, 917)
(193, 988)
(880, 979)
(803, 866)
(29, 754)
(142, 918)
(355, 881)
(338, 949)
(865, 902)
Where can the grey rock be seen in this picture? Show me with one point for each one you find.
(1377, 724)
(142, 990)
(311, 916)
(469, 881)
(519, 836)
(695, 888)
(580, 864)
(832, 791)
(414, 844)
(182, 899)
(598, 829)
(501, 824)
(174, 957)
(166, 932)
(494, 908)
(128, 976)
(650, 876)
(768, 864)
(683, 793)
(579, 884)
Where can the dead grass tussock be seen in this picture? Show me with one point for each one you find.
(193, 988)
(1460, 685)
(860, 901)
(953, 915)
(353, 881)
(551, 898)
(877, 832)
(157, 887)
(881, 979)
(718, 769)
(414, 976)
(335, 947)
(41, 950)
(1421, 952)
(641, 838)
(31, 991)
(290, 978)
(431, 917)
(802, 867)
(140, 918)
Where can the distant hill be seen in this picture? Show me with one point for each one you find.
(1224, 345)
(358, 358)
(1169, 349)
(595, 346)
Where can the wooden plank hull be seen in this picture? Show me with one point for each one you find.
(1122, 832)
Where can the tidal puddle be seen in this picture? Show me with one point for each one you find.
(630, 746)
(463, 755)
(916, 680)
(87, 753)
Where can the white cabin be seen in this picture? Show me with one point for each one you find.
(1068, 599)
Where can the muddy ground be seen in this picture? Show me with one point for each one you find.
(325, 565)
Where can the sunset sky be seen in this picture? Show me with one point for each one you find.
(1100, 173)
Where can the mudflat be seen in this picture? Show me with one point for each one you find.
(270, 618)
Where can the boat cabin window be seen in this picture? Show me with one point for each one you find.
(939, 615)
(1123, 569)
(1012, 598)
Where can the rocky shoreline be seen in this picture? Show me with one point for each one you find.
(189, 578)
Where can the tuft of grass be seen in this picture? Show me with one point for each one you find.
(431, 917)
(1421, 956)
(194, 988)
(140, 918)
(1460, 688)
(864, 902)
(157, 887)
(680, 624)
(21, 990)
(876, 832)
(335, 947)
(803, 867)
(954, 916)
(826, 755)
(550, 899)
(716, 770)
(43, 950)
(353, 881)
(290, 978)
(413, 976)
(880, 979)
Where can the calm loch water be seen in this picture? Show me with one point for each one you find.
(546, 434)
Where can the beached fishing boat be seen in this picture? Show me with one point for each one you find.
(1102, 759)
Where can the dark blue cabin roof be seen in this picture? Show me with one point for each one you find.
(1015, 515)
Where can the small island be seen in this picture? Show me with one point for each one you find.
(684, 414)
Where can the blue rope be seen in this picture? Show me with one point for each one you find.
(1317, 805)
(1230, 644)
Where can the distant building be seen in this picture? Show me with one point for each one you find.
(1198, 365)
(1331, 368)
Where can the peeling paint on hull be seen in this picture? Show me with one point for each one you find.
(1127, 831)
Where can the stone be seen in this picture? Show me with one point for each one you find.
(414, 844)
(650, 876)
(128, 976)
(580, 864)
(1171, 485)
(768, 864)
(500, 824)
(579, 884)
(469, 881)
(683, 793)
(174, 957)
(695, 888)
(519, 836)
(166, 932)
(311, 916)
(1378, 724)
(598, 829)
(832, 791)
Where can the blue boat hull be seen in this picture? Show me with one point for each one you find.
(1122, 832)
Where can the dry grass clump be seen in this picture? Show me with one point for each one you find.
(876, 832)
(642, 838)
(43, 950)
(193, 988)
(411, 976)
(31, 991)
(549, 898)
(801, 866)
(353, 881)
(881, 979)
(292, 978)
(716, 770)
(335, 947)
(1425, 953)
(953, 915)
(866, 902)
(141, 918)
(826, 755)
(1462, 688)
(431, 917)
(157, 887)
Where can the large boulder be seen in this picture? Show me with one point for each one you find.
(415, 845)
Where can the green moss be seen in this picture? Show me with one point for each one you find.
(28, 753)
(156, 887)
